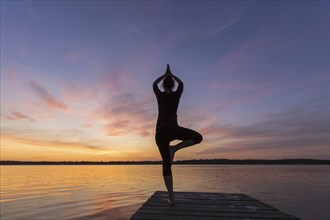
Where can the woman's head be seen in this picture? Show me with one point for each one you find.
(168, 83)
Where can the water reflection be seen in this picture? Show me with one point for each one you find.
(115, 192)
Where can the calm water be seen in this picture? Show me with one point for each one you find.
(115, 192)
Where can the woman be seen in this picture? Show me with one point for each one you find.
(167, 128)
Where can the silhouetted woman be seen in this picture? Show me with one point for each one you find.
(167, 128)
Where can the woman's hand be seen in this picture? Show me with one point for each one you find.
(168, 71)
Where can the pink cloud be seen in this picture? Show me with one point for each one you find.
(87, 125)
(297, 130)
(126, 114)
(47, 98)
(18, 115)
(116, 102)
(117, 127)
(75, 92)
(125, 108)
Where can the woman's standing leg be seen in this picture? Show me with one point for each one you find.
(163, 147)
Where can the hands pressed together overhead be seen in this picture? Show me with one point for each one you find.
(168, 71)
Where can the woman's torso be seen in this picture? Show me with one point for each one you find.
(167, 108)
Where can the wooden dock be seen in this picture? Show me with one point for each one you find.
(208, 206)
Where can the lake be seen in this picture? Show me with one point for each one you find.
(117, 191)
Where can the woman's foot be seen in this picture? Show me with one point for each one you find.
(171, 200)
(181, 145)
(172, 152)
(169, 186)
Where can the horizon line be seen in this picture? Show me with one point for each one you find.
(300, 161)
(160, 160)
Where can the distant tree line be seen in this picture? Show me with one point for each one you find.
(183, 162)
(254, 161)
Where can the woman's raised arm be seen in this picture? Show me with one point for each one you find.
(180, 86)
(155, 84)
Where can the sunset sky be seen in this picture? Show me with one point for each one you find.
(76, 78)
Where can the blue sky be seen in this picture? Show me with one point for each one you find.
(76, 78)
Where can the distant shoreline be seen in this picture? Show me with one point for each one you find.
(179, 162)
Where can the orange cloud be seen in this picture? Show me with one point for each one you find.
(51, 143)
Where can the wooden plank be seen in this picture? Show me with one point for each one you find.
(139, 216)
(270, 215)
(208, 206)
(230, 206)
(206, 196)
(214, 206)
(209, 202)
(209, 209)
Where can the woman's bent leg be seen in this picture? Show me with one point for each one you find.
(189, 137)
(183, 144)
